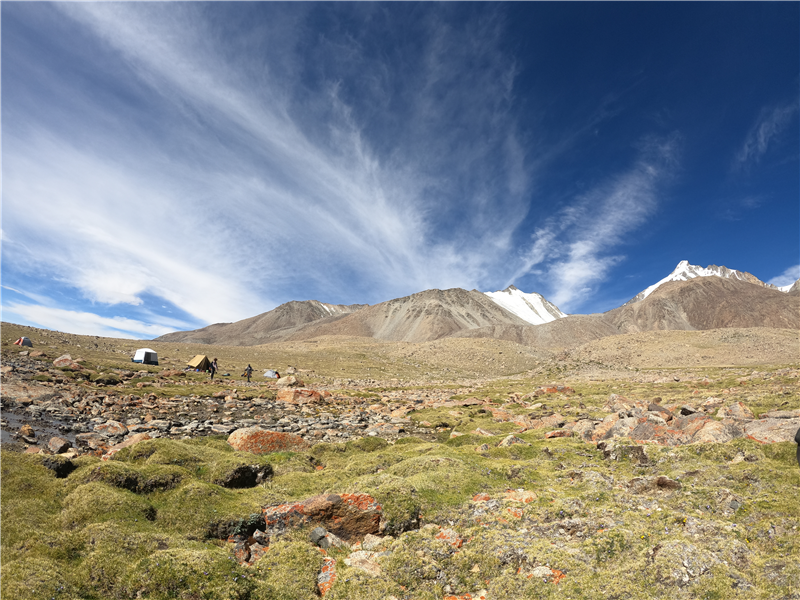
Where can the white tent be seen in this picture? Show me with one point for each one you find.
(146, 356)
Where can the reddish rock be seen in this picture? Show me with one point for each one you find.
(298, 396)
(735, 410)
(349, 516)
(327, 575)
(690, 424)
(559, 433)
(260, 441)
(33, 450)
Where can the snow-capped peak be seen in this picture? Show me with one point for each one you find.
(533, 308)
(684, 272)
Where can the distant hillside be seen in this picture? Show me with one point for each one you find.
(701, 302)
(272, 326)
(708, 303)
(421, 317)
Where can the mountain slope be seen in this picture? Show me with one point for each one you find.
(271, 326)
(684, 272)
(421, 317)
(708, 303)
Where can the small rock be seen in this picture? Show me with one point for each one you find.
(57, 445)
(511, 440)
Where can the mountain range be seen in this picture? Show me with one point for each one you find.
(690, 298)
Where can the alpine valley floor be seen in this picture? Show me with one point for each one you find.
(653, 465)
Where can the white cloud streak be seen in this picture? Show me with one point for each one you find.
(574, 250)
(85, 323)
(788, 277)
(769, 125)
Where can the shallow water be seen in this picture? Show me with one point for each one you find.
(44, 428)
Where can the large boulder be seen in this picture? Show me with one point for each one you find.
(349, 516)
(772, 430)
(261, 441)
(298, 396)
(289, 381)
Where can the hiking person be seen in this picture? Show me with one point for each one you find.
(248, 371)
(213, 368)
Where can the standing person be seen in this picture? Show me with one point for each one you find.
(248, 371)
(213, 368)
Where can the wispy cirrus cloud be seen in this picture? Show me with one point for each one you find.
(575, 249)
(768, 127)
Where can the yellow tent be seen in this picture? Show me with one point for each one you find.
(200, 362)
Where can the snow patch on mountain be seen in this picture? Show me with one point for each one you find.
(533, 308)
(684, 272)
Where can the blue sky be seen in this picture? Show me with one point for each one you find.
(171, 165)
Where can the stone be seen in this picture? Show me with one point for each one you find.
(772, 430)
(511, 440)
(615, 450)
(94, 441)
(111, 428)
(716, 432)
(261, 441)
(364, 561)
(451, 537)
(371, 542)
(621, 428)
(327, 576)
(553, 421)
(289, 381)
(735, 410)
(559, 433)
(782, 414)
(65, 360)
(298, 396)
(350, 516)
(27, 431)
(57, 445)
(317, 534)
